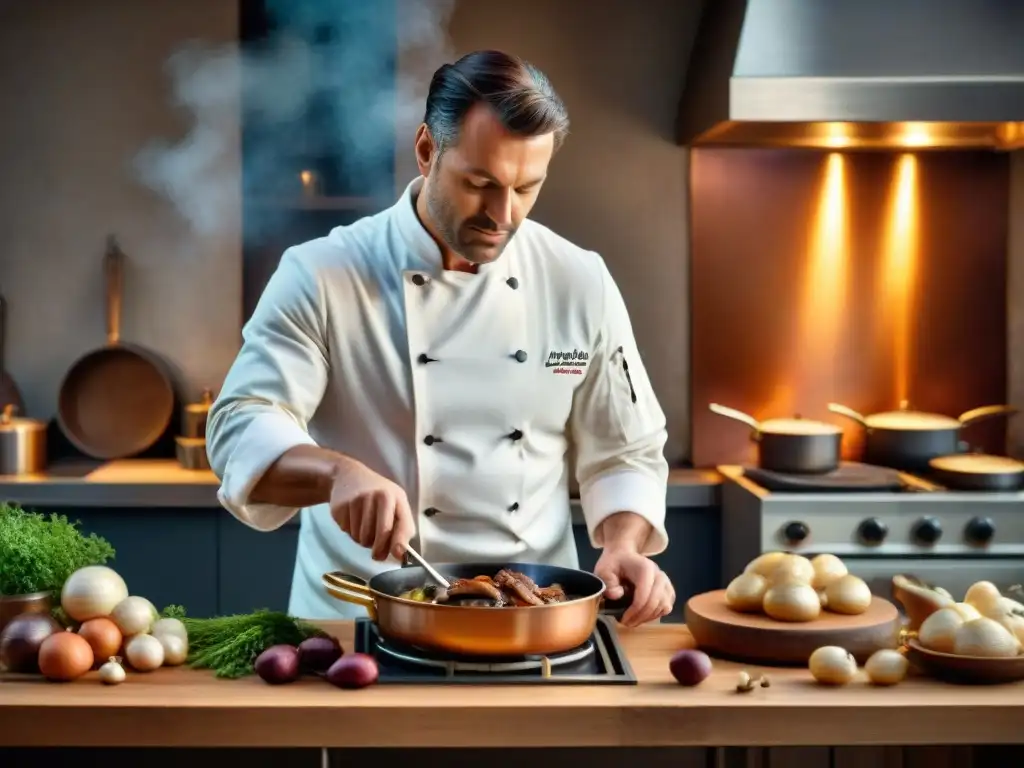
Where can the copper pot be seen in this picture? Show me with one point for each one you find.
(472, 630)
(15, 605)
(194, 415)
(797, 446)
(22, 443)
(907, 439)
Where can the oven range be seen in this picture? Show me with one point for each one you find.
(879, 521)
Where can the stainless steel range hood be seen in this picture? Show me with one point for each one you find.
(857, 74)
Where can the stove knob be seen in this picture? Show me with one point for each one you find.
(927, 530)
(795, 532)
(980, 530)
(873, 531)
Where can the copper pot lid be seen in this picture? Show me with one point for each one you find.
(782, 426)
(908, 419)
(10, 422)
(798, 426)
(904, 418)
(977, 463)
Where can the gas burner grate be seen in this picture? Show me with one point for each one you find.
(599, 661)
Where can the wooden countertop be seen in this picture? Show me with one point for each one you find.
(163, 483)
(189, 708)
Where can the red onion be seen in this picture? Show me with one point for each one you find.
(278, 664)
(21, 638)
(316, 654)
(354, 670)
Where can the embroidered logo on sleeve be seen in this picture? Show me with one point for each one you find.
(570, 363)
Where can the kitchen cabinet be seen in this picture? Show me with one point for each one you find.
(212, 564)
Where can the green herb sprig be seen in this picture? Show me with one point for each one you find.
(229, 645)
(38, 553)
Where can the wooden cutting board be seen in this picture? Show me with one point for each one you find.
(758, 639)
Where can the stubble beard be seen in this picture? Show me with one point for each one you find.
(444, 221)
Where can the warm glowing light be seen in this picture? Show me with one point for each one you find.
(823, 304)
(899, 271)
(916, 135)
(837, 135)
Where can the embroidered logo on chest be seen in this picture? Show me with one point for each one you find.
(568, 362)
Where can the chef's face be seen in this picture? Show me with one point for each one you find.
(480, 188)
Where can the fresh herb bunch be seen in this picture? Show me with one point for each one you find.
(229, 645)
(39, 553)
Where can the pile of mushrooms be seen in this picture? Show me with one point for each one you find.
(793, 588)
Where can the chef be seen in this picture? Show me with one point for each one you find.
(417, 377)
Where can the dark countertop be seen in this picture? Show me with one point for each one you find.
(163, 483)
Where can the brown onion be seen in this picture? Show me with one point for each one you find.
(65, 656)
(20, 641)
(103, 636)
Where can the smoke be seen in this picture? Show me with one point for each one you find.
(324, 95)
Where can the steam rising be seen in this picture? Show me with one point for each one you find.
(325, 86)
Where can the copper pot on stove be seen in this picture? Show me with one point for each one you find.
(908, 440)
(792, 446)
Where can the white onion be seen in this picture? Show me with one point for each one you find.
(170, 627)
(175, 649)
(145, 653)
(92, 592)
(134, 615)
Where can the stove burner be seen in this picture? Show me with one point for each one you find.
(453, 665)
(600, 660)
(850, 476)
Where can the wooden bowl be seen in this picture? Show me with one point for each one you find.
(966, 670)
(918, 602)
(758, 639)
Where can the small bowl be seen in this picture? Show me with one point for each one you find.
(967, 670)
(918, 603)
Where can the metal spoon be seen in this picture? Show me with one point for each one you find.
(431, 571)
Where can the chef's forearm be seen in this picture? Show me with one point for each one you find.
(625, 530)
(301, 477)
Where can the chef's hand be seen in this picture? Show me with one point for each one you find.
(653, 595)
(372, 510)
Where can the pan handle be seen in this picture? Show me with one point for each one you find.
(985, 412)
(349, 589)
(732, 413)
(113, 273)
(849, 413)
(616, 608)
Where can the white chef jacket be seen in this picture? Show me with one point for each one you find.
(464, 389)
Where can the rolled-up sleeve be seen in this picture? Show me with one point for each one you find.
(271, 391)
(618, 429)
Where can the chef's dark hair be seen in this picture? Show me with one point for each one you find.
(519, 93)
